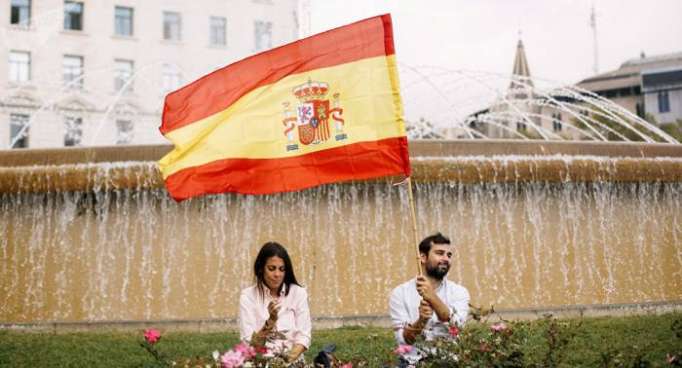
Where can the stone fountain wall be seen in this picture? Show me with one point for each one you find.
(88, 239)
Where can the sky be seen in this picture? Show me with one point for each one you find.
(482, 35)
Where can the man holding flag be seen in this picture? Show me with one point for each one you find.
(430, 304)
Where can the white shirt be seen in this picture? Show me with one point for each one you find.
(293, 317)
(404, 308)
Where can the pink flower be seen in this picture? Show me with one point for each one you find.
(246, 350)
(347, 365)
(403, 349)
(231, 359)
(498, 327)
(454, 331)
(152, 336)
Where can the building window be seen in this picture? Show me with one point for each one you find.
(19, 66)
(123, 21)
(556, 122)
(218, 31)
(663, 102)
(124, 131)
(263, 33)
(18, 131)
(73, 15)
(171, 78)
(172, 25)
(72, 70)
(123, 74)
(74, 131)
(20, 12)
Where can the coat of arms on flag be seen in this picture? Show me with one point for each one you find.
(312, 116)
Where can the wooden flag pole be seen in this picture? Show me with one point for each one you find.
(414, 224)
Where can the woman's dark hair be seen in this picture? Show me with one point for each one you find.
(273, 249)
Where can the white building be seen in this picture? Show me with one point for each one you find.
(662, 90)
(646, 86)
(95, 72)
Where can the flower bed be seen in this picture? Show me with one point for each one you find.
(478, 344)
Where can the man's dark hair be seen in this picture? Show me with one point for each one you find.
(437, 238)
(273, 249)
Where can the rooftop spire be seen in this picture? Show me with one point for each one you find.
(521, 72)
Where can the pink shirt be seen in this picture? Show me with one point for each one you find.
(293, 318)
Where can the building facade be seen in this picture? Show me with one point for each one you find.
(650, 87)
(95, 72)
(662, 91)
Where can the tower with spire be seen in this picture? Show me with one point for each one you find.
(521, 86)
(521, 111)
(514, 113)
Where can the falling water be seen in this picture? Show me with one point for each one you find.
(134, 254)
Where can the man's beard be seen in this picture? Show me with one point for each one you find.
(437, 272)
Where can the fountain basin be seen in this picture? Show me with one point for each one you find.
(467, 161)
(91, 234)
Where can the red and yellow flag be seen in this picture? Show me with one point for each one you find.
(320, 110)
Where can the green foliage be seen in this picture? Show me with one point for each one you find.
(673, 129)
(529, 132)
(101, 349)
(479, 346)
(373, 344)
(611, 126)
(635, 341)
(557, 335)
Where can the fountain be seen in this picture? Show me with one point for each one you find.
(88, 239)
(92, 238)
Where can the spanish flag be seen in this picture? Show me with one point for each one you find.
(323, 109)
